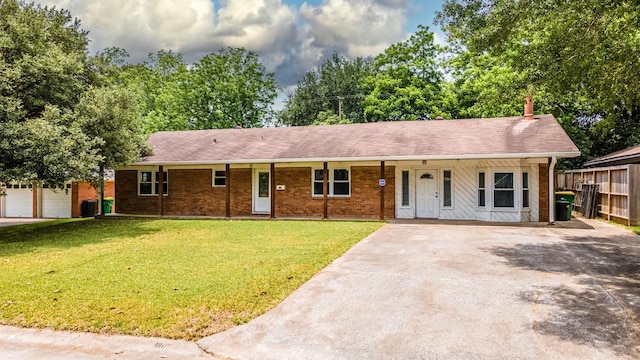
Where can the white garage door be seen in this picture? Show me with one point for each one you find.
(56, 204)
(19, 201)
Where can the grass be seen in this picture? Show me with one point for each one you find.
(181, 279)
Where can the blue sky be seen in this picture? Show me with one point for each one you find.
(290, 36)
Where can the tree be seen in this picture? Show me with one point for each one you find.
(405, 84)
(162, 88)
(223, 90)
(484, 85)
(580, 53)
(44, 74)
(109, 114)
(335, 87)
(329, 118)
(585, 46)
(230, 88)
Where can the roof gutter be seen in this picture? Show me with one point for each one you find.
(611, 160)
(571, 154)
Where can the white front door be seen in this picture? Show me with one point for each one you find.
(261, 191)
(427, 204)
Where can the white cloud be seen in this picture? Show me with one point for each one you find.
(361, 27)
(289, 41)
(143, 26)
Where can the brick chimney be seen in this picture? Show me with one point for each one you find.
(528, 108)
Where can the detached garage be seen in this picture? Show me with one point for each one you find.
(25, 201)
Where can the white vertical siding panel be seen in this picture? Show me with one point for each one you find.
(464, 194)
(534, 190)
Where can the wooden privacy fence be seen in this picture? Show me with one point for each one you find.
(618, 188)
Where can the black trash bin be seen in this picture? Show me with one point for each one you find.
(88, 208)
(563, 210)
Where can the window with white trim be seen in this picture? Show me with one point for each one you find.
(219, 178)
(339, 182)
(503, 190)
(405, 188)
(525, 189)
(446, 189)
(318, 182)
(482, 190)
(149, 182)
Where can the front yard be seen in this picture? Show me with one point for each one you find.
(182, 279)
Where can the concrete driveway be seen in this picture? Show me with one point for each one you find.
(20, 221)
(460, 291)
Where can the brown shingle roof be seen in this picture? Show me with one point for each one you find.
(445, 139)
(629, 155)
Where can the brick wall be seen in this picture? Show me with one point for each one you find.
(127, 195)
(364, 201)
(241, 192)
(296, 200)
(544, 192)
(190, 193)
(82, 191)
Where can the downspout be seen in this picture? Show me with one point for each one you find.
(552, 179)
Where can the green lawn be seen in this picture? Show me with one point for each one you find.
(172, 278)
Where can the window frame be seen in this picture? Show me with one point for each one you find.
(526, 193)
(331, 181)
(482, 189)
(444, 188)
(315, 181)
(512, 189)
(154, 182)
(215, 176)
(405, 191)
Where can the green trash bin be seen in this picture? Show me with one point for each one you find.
(107, 205)
(567, 196)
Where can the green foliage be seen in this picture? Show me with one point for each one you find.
(230, 88)
(109, 114)
(161, 85)
(169, 278)
(577, 55)
(483, 86)
(405, 84)
(223, 90)
(586, 46)
(615, 131)
(335, 87)
(329, 118)
(44, 74)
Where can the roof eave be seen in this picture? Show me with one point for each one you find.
(570, 154)
(596, 162)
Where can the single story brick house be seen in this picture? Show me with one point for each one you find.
(477, 169)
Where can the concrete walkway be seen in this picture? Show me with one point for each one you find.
(464, 291)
